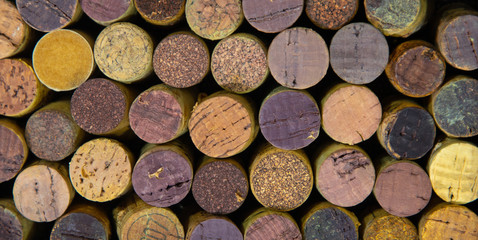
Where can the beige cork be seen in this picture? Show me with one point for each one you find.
(16, 34)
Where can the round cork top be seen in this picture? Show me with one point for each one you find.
(239, 63)
(390, 227)
(220, 186)
(124, 52)
(272, 16)
(214, 19)
(48, 15)
(273, 226)
(98, 106)
(351, 114)
(215, 228)
(105, 11)
(100, 170)
(331, 14)
(14, 30)
(13, 152)
(63, 60)
(289, 119)
(298, 58)
(358, 53)
(181, 60)
(78, 225)
(12, 228)
(330, 223)
(160, 12)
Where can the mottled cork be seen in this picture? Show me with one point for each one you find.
(270, 224)
(379, 224)
(272, 16)
(13, 149)
(13, 225)
(298, 58)
(358, 53)
(162, 13)
(15, 33)
(203, 225)
(331, 14)
(106, 12)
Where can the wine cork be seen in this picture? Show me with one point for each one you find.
(397, 18)
(51, 132)
(220, 186)
(161, 113)
(452, 169)
(289, 119)
(358, 53)
(63, 59)
(272, 16)
(239, 63)
(407, 130)
(100, 170)
(46, 16)
(454, 105)
(280, 179)
(23, 92)
(298, 58)
(203, 225)
(162, 13)
(181, 60)
(269, 224)
(124, 52)
(331, 14)
(15, 32)
(14, 225)
(402, 187)
(344, 175)
(42, 192)
(350, 114)
(101, 106)
(223, 125)
(379, 224)
(13, 149)
(109, 11)
(415, 68)
(163, 174)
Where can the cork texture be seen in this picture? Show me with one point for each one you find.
(382, 225)
(205, 226)
(49, 15)
(79, 225)
(109, 11)
(13, 225)
(272, 16)
(161, 13)
(15, 33)
(269, 224)
(331, 14)
(13, 150)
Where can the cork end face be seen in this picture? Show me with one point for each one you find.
(47, 16)
(216, 228)
(284, 228)
(16, 32)
(330, 223)
(162, 13)
(13, 152)
(11, 225)
(391, 227)
(105, 11)
(78, 225)
(331, 14)
(272, 16)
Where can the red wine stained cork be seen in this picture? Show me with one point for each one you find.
(402, 187)
(14, 225)
(270, 224)
(289, 119)
(214, 19)
(181, 60)
(162, 13)
(23, 92)
(223, 125)
(358, 53)
(100, 106)
(272, 16)
(239, 63)
(163, 174)
(344, 175)
(407, 130)
(124, 52)
(51, 132)
(350, 113)
(106, 12)
(161, 113)
(203, 225)
(63, 59)
(15, 32)
(397, 18)
(454, 107)
(100, 170)
(416, 69)
(448, 221)
(456, 38)
(379, 224)
(220, 186)
(42, 192)
(13, 149)
(280, 179)
(453, 170)
(331, 14)
(49, 15)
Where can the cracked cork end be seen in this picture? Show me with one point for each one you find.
(269, 224)
(331, 14)
(272, 16)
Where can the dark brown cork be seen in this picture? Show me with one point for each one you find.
(272, 16)
(106, 11)
(160, 12)
(13, 150)
(269, 224)
(79, 225)
(331, 14)
(13, 226)
(49, 15)
(203, 225)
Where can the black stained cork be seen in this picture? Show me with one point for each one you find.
(49, 15)
(331, 14)
(79, 225)
(272, 16)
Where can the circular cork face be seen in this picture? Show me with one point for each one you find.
(220, 187)
(162, 178)
(273, 226)
(14, 30)
(78, 225)
(346, 177)
(351, 114)
(214, 19)
(390, 227)
(63, 60)
(272, 16)
(330, 223)
(358, 53)
(160, 12)
(290, 119)
(124, 52)
(100, 170)
(12, 228)
(216, 228)
(105, 11)
(403, 182)
(298, 58)
(239, 63)
(48, 15)
(181, 60)
(331, 14)
(13, 153)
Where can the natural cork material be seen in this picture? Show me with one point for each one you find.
(272, 16)
(203, 225)
(239, 63)
(63, 59)
(14, 225)
(13, 149)
(15, 33)
(358, 53)
(379, 224)
(270, 224)
(162, 13)
(100, 170)
(331, 14)
(106, 12)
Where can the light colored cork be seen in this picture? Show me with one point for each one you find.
(379, 224)
(16, 34)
